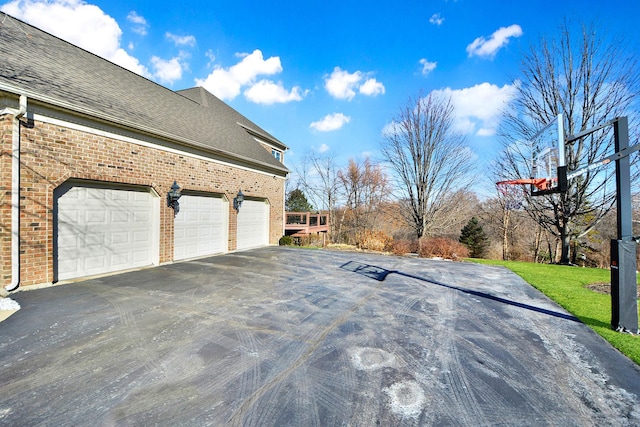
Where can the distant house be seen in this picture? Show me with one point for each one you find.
(304, 224)
(90, 152)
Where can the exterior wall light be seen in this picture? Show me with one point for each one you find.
(237, 201)
(172, 198)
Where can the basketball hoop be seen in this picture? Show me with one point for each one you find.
(540, 183)
(512, 193)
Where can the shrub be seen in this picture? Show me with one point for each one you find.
(403, 246)
(373, 240)
(285, 241)
(442, 248)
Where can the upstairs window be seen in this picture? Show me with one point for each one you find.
(277, 154)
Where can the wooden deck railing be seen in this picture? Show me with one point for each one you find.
(304, 223)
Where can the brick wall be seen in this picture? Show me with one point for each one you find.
(52, 154)
(5, 198)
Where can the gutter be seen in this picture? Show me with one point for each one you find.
(15, 195)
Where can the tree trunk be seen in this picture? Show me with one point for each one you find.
(505, 234)
(565, 239)
(538, 241)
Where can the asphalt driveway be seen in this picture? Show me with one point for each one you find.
(294, 337)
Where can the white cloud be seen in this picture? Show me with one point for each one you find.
(167, 71)
(77, 22)
(436, 19)
(268, 92)
(323, 148)
(141, 24)
(372, 87)
(212, 57)
(488, 48)
(134, 18)
(221, 83)
(478, 109)
(427, 66)
(330, 122)
(227, 83)
(181, 40)
(343, 85)
(390, 129)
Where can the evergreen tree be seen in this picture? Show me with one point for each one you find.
(474, 238)
(297, 202)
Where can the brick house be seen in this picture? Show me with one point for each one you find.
(89, 152)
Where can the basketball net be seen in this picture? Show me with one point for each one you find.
(513, 193)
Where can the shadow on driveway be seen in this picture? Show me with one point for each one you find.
(379, 273)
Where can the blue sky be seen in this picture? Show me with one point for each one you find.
(329, 76)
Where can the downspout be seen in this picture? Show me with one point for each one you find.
(284, 208)
(15, 196)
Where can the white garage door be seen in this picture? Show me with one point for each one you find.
(200, 228)
(253, 224)
(101, 230)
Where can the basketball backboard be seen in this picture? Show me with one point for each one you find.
(548, 167)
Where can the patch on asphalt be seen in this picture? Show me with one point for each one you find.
(369, 359)
(407, 398)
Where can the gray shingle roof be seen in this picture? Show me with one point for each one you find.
(207, 99)
(51, 70)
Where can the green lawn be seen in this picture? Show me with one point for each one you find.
(567, 286)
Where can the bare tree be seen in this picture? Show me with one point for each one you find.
(364, 186)
(318, 177)
(457, 208)
(590, 79)
(430, 160)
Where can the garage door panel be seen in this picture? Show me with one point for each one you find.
(119, 196)
(95, 264)
(95, 216)
(101, 230)
(141, 236)
(253, 224)
(207, 232)
(140, 197)
(70, 216)
(141, 257)
(67, 267)
(91, 194)
(67, 241)
(121, 238)
(119, 217)
(200, 227)
(120, 261)
(141, 217)
(95, 239)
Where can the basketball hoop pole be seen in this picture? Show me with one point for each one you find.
(623, 180)
(624, 296)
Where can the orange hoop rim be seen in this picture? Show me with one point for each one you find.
(539, 183)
